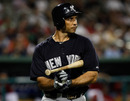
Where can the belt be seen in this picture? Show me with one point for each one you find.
(70, 97)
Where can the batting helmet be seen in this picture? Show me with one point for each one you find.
(61, 12)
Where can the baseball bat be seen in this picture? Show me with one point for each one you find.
(76, 64)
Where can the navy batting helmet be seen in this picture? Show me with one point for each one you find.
(61, 12)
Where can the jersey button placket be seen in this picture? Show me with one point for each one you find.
(62, 50)
(63, 54)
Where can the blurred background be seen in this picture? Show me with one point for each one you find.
(25, 23)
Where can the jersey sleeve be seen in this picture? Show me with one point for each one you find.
(90, 58)
(38, 66)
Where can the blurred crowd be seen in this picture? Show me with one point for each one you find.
(18, 91)
(25, 23)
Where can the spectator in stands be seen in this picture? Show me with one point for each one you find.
(112, 52)
(10, 94)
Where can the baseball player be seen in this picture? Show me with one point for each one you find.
(62, 48)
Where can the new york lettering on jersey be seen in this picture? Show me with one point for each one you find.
(57, 61)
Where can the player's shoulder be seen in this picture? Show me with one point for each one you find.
(44, 43)
(82, 38)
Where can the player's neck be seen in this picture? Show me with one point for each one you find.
(60, 37)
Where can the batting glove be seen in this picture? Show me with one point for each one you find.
(61, 81)
(62, 76)
(57, 84)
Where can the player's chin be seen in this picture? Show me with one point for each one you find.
(72, 31)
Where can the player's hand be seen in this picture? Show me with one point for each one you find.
(66, 85)
(62, 76)
(57, 84)
(61, 81)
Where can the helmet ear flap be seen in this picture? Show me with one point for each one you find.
(60, 24)
(58, 19)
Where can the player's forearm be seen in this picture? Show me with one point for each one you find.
(45, 83)
(85, 79)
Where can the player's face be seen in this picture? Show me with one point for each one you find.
(70, 24)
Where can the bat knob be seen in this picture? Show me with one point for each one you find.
(47, 72)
